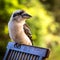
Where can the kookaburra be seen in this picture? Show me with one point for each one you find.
(18, 30)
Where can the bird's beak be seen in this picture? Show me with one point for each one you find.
(27, 16)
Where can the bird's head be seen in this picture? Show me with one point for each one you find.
(20, 15)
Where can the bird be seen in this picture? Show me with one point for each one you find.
(18, 29)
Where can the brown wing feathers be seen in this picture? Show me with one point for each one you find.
(27, 31)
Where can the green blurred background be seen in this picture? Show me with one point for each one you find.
(45, 23)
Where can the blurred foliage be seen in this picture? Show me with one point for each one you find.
(45, 23)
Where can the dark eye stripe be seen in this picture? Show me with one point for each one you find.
(16, 14)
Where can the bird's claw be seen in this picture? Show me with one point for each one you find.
(16, 45)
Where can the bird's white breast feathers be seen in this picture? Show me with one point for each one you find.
(17, 34)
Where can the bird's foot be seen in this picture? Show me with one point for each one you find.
(16, 45)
